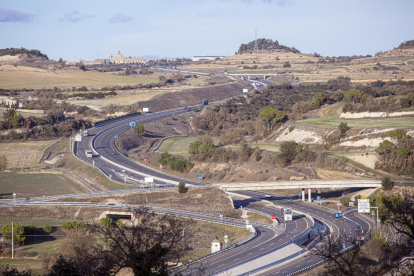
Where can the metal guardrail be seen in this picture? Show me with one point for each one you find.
(231, 246)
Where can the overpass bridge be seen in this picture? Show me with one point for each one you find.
(302, 184)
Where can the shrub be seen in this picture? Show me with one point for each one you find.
(343, 127)
(47, 228)
(140, 129)
(345, 201)
(18, 230)
(387, 183)
(291, 128)
(181, 188)
(73, 225)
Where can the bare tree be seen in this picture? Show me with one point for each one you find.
(340, 261)
(22, 156)
(145, 245)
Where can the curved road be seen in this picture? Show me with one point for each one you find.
(100, 141)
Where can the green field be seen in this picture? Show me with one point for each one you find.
(37, 184)
(68, 79)
(333, 121)
(177, 145)
(33, 221)
(36, 150)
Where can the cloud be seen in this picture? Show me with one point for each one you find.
(7, 15)
(74, 17)
(121, 18)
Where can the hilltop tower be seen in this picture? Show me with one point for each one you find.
(256, 46)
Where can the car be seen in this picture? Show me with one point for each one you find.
(267, 195)
(338, 214)
(187, 110)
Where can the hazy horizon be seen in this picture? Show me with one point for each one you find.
(205, 27)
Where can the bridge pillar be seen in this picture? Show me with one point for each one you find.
(303, 194)
(309, 195)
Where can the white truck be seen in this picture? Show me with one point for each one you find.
(85, 132)
(88, 153)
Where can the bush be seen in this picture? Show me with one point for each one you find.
(387, 183)
(47, 228)
(140, 129)
(345, 201)
(287, 65)
(18, 230)
(343, 127)
(181, 188)
(73, 225)
(291, 128)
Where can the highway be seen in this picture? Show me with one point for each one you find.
(269, 241)
(101, 141)
(352, 224)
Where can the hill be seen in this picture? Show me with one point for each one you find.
(265, 44)
(21, 51)
(407, 45)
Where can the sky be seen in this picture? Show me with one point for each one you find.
(89, 28)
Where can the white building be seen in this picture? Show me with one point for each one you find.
(120, 59)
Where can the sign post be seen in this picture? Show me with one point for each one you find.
(200, 176)
(318, 198)
(14, 196)
(160, 166)
(132, 124)
(145, 160)
(339, 204)
(363, 205)
(299, 195)
(226, 239)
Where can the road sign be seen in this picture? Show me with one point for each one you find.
(318, 198)
(78, 138)
(132, 124)
(14, 195)
(273, 217)
(116, 171)
(343, 246)
(343, 195)
(226, 237)
(363, 205)
(200, 176)
(116, 136)
(372, 212)
(145, 159)
(299, 194)
(160, 166)
(245, 90)
(145, 109)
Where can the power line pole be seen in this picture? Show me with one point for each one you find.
(12, 241)
(256, 47)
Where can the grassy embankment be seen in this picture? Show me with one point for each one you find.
(48, 182)
(179, 145)
(333, 121)
(36, 150)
